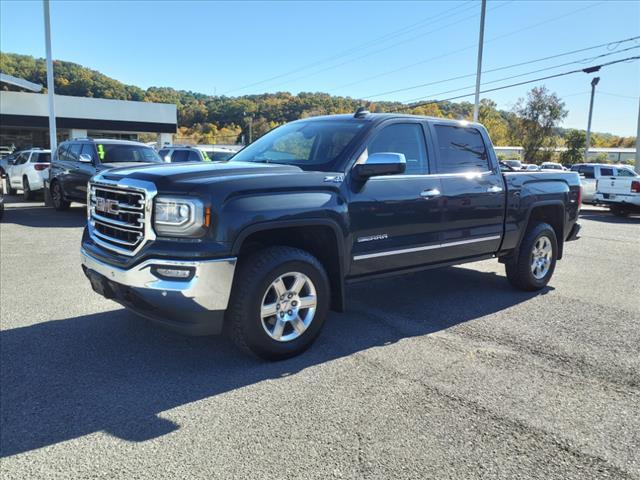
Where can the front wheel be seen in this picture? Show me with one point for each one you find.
(279, 302)
(57, 197)
(536, 260)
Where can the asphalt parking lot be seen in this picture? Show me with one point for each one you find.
(442, 374)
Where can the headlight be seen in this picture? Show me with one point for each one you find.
(181, 217)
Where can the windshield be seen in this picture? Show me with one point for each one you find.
(219, 156)
(311, 145)
(123, 153)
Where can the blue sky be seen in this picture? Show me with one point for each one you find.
(358, 49)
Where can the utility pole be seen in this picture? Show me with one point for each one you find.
(53, 137)
(476, 107)
(594, 82)
(251, 128)
(638, 142)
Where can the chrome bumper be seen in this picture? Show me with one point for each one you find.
(194, 306)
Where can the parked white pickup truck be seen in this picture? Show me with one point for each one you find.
(591, 173)
(620, 194)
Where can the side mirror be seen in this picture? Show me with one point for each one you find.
(379, 164)
(85, 158)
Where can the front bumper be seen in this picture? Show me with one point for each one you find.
(193, 306)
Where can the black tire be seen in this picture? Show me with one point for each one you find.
(619, 211)
(27, 194)
(57, 197)
(520, 269)
(253, 282)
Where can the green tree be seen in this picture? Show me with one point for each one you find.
(534, 122)
(575, 141)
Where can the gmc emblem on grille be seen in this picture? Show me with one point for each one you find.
(106, 205)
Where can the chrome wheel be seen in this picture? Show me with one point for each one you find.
(288, 306)
(541, 257)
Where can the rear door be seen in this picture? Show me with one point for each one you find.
(17, 169)
(395, 219)
(74, 174)
(473, 191)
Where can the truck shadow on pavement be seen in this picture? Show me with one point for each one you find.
(41, 216)
(113, 372)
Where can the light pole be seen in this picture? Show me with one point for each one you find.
(638, 143)
(53, 137)
(476, 106)
(594, 82)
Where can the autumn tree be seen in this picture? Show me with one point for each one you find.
(575, 141)
(533, 123)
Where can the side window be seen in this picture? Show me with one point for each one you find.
(606, 172)
(623, 172)
(461, 149)
(194, 157)
(74, 152)
(164, 153)
(179, 156)
(405, 138)
(88, 149)
(62, 152)
(22, 158)
(588, 172)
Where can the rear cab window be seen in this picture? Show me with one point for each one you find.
(126, 153)
(461, 150)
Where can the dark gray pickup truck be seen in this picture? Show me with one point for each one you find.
(263, 246)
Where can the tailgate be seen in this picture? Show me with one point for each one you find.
(615, 185)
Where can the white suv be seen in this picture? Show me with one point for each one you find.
(28, 172)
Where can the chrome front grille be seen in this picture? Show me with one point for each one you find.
(118, 216)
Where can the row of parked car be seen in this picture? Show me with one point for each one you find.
(77, 160)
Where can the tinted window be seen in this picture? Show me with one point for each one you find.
(587, 171)
(310, 144)
(164, 153)
(122, 153)
(461, 150)
(180, 156)
(22, 158)
(74, 151)
(405, 138)
(623, 172)
(606, 172)
(87, 149)
(42, 157)
(62, 152)
(194, 157)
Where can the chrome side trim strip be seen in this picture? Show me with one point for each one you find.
(423, 248)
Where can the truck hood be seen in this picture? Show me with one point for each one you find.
(168, 175)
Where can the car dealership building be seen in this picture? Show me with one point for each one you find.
(24, 119)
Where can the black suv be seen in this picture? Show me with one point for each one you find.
(76, 161)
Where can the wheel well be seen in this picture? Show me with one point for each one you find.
(320, 241)
(554, 216)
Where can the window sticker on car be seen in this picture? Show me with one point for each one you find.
(100, 151)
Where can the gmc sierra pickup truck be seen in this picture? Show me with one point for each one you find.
(263, 246)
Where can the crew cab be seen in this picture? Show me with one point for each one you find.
(621, 194)
(262, 247)
(591, 173)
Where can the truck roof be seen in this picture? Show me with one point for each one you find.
(379, 117)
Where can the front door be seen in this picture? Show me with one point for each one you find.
(395, 219)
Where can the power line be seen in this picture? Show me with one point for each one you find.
(388, 36)
(383, 49)
(592, 69)
(413, 87)
(438, 57)
(582, 60)
(600, 92)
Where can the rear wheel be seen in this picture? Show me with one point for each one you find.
(57, 197)
(619, 211)
(27, 194)
(279, 303)
(536, 259)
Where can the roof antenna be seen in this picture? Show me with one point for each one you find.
(361, 112)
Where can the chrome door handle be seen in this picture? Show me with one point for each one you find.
(428, 194)
(494, 189)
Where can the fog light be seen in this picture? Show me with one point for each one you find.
(173, 273)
